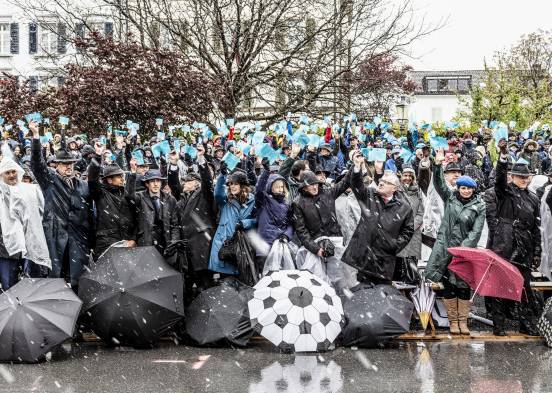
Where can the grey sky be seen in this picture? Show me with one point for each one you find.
(475, 29)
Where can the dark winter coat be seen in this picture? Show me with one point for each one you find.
(67, 215)
(461, 227)
(314, 216)
(273, 212)
(490, 212)
(196, 216)
(383, 231)
(145, 217)
(517, 234)
(416, 198)
(115, 220)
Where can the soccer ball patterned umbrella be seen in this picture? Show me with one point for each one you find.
(296, 311)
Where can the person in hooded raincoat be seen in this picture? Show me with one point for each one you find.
(517, 239)
(347, 210)
(115, 220)
(236, 205)
(546, 233)
(461, 226)
(67, 212)
(273, 210)
(22, 240)
(413, 250)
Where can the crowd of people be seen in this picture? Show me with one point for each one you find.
(359, 204)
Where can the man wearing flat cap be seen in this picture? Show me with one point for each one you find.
(516, 238)
(157, 222)
(67, 213)
(115, 220)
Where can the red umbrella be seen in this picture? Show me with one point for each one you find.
(486, 272)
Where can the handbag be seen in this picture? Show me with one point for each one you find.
(228, 250)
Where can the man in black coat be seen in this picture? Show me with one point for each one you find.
(314, 212)
(115, 219)
(541, 189)
(196, 216)
(386, 226)
(156, 217)
(67, 213)
(516, 238)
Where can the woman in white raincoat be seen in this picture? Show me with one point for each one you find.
(21, 210)
(546, 233)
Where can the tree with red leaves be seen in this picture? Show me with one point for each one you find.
(122, 81)
(18, 99)
(378, 82)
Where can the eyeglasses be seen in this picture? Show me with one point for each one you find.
(386, 182)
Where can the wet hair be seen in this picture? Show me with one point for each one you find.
(297, 167)
(242, 195)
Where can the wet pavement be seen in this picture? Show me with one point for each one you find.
(413, 367)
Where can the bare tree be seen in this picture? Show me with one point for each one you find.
(269, 56)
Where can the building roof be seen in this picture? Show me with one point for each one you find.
(421, 78)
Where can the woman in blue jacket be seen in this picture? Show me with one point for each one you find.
(236, 205)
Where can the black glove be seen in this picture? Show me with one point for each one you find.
(283, 238)
(223, 169)
(536, 263)
(265, 164)
(239, 226)
(327, 247)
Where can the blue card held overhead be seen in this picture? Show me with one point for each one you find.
(191, 151)
(230, 122)
(353, 116)
(103, 140)
(129, 124)
(138, 156)
(160, 136)
(165, 147)
(46, 120)
(365, 152)
(314, 127)
(362, 137)
(34, 117)
(207, 133)
(159, 122)
(244, 147)
(176, 145)
(2, 120)
(304, 119)
(265, 150)
(44, 140)
(314, 140)
(63, 120)
(20, 123)
(258, 138)
(438, 142)
(120, 133)
(8, 127)
(186, 128)
(377, 120)
(377, 154)
(407, 155)
(500, 133)
(49, 136)
(231, 160)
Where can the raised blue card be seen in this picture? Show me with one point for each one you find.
(159, 122)
(63, 120)
(231, 160)
(377, 154)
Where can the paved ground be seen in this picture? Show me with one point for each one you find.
(433, 367)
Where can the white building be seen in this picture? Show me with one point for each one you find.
(438, 94)
(35, 49)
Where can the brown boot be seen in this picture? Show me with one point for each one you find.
(463, 312)
(452, 314)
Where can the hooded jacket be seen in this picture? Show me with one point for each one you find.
(273, 211)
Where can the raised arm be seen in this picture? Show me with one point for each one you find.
(38, 165)
(94, 184)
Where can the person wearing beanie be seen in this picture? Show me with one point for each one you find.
(461, 226)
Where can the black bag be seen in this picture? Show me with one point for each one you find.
(228, 250)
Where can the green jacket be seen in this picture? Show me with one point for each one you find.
(461, 227)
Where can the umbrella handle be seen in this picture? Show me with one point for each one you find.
(481, 281)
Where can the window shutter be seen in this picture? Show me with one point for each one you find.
(33, 44)
(14, 38)
(33, 84)
(79, 28)
(62, 38)
(108, 29)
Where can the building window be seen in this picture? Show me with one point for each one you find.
(463, 85)
(432, 85)
(5, 38)
(48, 41)
(452, 85)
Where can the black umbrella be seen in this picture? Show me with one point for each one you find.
(131, 296)
(219, 315)
(375, 315)
(36, 314)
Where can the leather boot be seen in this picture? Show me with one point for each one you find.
(463, 313)
(452, 314)
(498, 325)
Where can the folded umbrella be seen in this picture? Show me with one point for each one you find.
(486, 273)
(132, 296)
(374, 316)
(219, 315)
(36, 315)
(424, 300)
